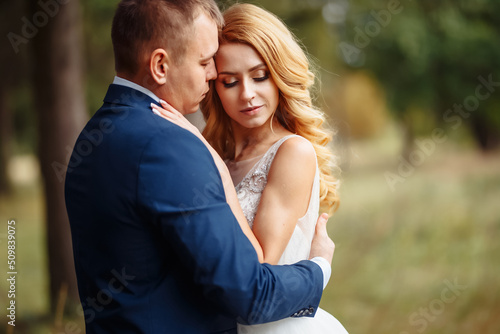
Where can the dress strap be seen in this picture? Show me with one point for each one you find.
(264, 163)
(274, 148)
(268, 157)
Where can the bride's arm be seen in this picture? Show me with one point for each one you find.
(284, 201)
(286, 197)
(177, 118)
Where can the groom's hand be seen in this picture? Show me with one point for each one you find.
(321, 244)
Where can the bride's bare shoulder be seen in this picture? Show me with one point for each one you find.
(297, 147)
(296, 155)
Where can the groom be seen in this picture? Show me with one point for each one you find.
(156, 247)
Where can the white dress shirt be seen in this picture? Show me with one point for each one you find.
(130, 84)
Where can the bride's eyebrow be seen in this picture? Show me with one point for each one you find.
(256, 67)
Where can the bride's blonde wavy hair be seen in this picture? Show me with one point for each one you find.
(289, 67)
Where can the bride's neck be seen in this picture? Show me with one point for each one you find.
(253, 142)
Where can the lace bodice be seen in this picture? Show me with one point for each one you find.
(249, 192)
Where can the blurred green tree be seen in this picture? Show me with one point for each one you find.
(98, 51)
(431, 55)
(59, 102)
(13, 73)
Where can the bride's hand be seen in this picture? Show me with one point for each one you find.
(171, 114)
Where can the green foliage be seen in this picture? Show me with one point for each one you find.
(428, 54)
(98, 16)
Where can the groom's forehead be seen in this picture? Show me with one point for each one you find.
(205, 38)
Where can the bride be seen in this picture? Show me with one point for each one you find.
(261, 122)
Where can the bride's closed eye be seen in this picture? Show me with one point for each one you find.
(261, 75)
(228, 83)
(231, 82)
(262, 78)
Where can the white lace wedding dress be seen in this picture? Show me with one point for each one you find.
(253, 176)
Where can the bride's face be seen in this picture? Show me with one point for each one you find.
(247, 91)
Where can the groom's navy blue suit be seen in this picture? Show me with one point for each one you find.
(157, 249)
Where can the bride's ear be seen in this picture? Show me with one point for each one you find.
(158, 66)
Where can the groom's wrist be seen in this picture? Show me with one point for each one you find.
(325, 268)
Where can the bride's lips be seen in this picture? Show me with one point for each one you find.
(251, 111)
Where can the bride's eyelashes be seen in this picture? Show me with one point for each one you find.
(229, 84)
(261, 75)
(232, 83)
(263, 78)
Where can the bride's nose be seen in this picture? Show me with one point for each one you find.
(247, 91)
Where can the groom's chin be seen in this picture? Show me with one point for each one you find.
(191, 110)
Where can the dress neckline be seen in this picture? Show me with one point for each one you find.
(251, 171)
(246, 160)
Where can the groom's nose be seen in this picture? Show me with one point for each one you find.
(211, 70)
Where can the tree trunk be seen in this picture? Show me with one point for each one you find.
(408, 136)
(5, 141)
(486, 134)
(10, 67)
(60, 106)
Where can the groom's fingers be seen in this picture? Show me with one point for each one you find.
(321, 224)
(322, 245)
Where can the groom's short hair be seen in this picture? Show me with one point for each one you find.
(141, 26)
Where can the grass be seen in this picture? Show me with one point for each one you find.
(26, 208)
(397, 251)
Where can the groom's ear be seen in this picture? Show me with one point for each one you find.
(158, 65)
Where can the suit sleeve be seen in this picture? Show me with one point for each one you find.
(181, 191)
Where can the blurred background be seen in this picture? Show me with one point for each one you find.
(412, 89)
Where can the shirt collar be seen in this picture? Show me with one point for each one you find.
(130, 84)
